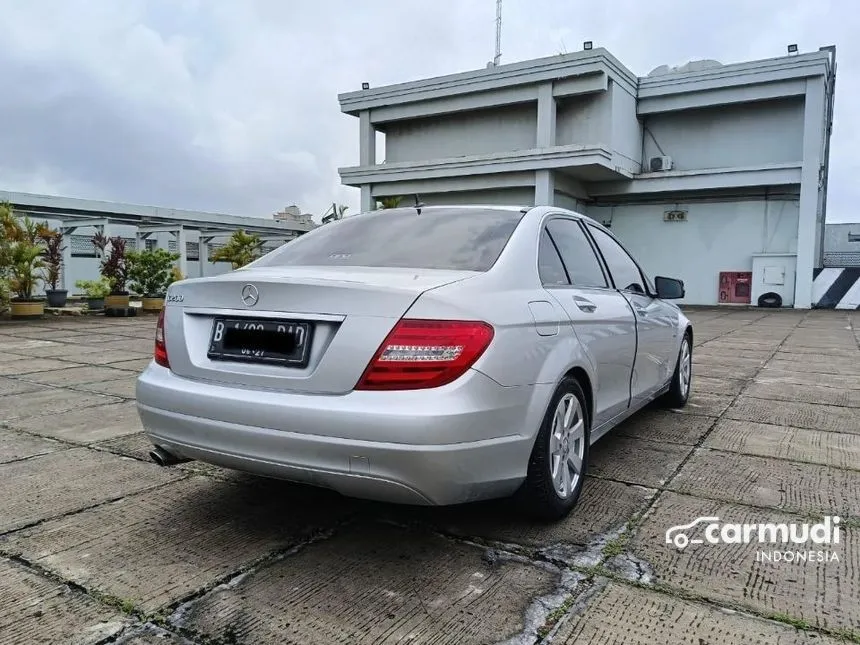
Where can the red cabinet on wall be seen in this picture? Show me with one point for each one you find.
(735, 287)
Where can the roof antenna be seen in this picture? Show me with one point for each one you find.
(418, 204)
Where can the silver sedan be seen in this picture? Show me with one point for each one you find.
(432, 355)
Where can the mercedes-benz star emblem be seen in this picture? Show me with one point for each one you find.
(250, 295)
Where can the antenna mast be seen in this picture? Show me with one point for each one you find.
(497, 59)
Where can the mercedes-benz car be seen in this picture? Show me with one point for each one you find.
(427, 355)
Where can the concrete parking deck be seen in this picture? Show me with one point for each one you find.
(98, 545)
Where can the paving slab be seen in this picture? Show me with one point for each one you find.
(797, 487)
(77, 375)
(47, 402)
(603, 506)
(822, 593)
(705, 404)
(378, 585)
(718, 353)
(712, 385)
(12, 386)
(35, 609)
(635, 461)
(620, 613)
(31, 366)
(724, 371)
(847, 364)
(837, 449)
(86, 424)
(149, 634)
(159, 546)
(114, 357)
(133, 365)
(123, 387)
(795, 414)
(829, 350)
(774, 374)
(774, 390)
(666, 426)
(59, 350)
(784, 363)
(729, 362)
(134, 445)
(57, 483)
(16, 445)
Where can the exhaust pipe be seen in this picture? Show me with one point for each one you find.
(163, 458)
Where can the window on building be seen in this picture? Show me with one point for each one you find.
(579, 258)
(625, 272)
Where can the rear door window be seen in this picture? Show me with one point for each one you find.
(438, 238)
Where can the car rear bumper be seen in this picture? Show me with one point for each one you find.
(464, 442)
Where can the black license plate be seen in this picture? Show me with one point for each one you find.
(260, 341)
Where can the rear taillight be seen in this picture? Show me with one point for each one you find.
(160, 354)
(419, 354)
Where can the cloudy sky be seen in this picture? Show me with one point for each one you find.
(231, 105)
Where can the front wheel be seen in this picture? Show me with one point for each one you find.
(679, 389)
(559, 458)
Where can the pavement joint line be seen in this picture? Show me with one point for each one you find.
(850, 469)
(6, 422)
(112, 500)
(171, 615)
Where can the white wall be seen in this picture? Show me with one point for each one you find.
(462, 133)
(584, 120)
(497, 196)
(732, 135)
(718, 236)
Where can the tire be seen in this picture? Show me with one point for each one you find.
(679, 390)
(542, 496)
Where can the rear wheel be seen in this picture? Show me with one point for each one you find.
(559, 458)
(679, 389)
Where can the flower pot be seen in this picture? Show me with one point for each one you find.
(152, 303)
(27, 308)
(95, 304)
(56, 297)
(116, 301)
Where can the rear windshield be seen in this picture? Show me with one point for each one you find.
(438, 238)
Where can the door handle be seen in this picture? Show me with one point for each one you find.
(584, 304)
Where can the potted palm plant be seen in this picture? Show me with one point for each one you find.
(150, 273)
(25, 271)
(95, 292)
(52, 239)
(21, 263)
(113, 268)
(242, 248)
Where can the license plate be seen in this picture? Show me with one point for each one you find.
(260, 341)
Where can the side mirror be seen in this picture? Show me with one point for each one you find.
(669, 288)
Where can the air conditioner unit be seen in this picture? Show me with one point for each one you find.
(658, 164)
(675, 216)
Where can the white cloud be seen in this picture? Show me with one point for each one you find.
(232, 105)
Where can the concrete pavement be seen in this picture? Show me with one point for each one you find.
(98, 545)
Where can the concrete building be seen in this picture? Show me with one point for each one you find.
(192, 234)
(713, 173)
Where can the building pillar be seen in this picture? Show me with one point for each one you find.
(203, 254)
(545, 138)
(545, 117)
(807, 219)
(182, 249)
(544, 188)
(367, 139)
(67, 232)
(368, 203)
